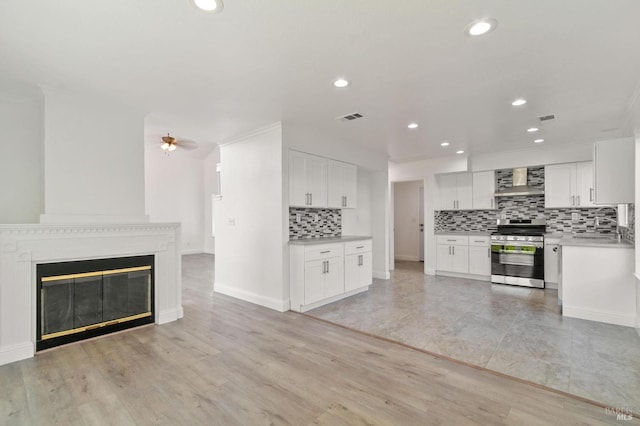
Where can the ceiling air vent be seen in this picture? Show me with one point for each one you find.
(548, 117)
(350, 117)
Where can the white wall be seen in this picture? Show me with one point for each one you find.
(210, 188)
(22, 158)
(406, 221)
(249, 243)
(174, 188)
(94, 160)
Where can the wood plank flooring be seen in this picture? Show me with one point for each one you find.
(230, 362)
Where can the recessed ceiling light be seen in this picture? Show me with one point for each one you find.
(215, 6)
(532, 129)
(460, 151)
(519, 102)
(445, 143)
(413, 125)
(481, 27)
(341, 82)
(538, 141)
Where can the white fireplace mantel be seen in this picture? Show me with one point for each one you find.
(22, 247)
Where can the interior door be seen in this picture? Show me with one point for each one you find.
(421, 220)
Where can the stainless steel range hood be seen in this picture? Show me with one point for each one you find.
(519, 186)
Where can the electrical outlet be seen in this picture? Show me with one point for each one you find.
(231, 221)
(316, 217)
(298, 217)
(575, 216)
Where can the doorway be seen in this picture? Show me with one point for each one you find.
(408, 240)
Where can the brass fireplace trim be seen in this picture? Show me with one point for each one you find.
(94, 326)
(95, 274)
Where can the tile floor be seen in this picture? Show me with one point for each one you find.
(513, 330)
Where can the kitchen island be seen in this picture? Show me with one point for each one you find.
(596, 279)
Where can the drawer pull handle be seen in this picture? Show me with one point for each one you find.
(326, 251)
(360, 247)
(452, 240)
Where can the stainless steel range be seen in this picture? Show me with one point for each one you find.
(517, 252)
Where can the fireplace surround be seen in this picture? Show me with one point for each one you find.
(24, 247)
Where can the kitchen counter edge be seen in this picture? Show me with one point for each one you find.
(328, 240)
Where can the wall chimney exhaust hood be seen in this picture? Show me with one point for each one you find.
(519, 186)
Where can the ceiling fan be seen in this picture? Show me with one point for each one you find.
(169, 143)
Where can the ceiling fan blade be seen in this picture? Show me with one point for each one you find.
(187, 144)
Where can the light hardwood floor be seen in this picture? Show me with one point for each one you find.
(231, 362)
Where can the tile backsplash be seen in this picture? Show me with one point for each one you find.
(573, 220)
(314, 223)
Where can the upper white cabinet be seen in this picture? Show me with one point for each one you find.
(343, 182)
(307, 180)
(569, 185)
(614, 171)
(456, 191)
(484, 188)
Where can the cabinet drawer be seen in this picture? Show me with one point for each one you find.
(452, 240)
(355, 247)
(324, 251)
(479, 241)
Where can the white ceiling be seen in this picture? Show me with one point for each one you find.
(212, 76)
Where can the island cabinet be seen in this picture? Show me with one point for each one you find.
(307, 180)
(342, 184)
(323, 273)
(569, 185)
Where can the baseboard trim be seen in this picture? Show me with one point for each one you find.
(597, 315)
(431, 271)
(323, 302)
(192, 251)
(407, 258)
(170, 315)
(13, 353)
(256, 299)
(381, 275)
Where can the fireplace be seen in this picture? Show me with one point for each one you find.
(82, 299)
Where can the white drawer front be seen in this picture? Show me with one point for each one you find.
(482, 241)
(452, 239)
(355, 247)
(323, 251)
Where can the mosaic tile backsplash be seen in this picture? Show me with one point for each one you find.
(571, 220)
(314, 223)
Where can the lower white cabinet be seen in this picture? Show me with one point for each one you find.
(462, 254)
(324, 273)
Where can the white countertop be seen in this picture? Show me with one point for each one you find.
(595, 242)
(328, 240)
(469, 233)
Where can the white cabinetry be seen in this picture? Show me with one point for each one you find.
(484, 188)
(456, 191)
(307, 180)
(551, 257)
(324, 273)
(343, 181)
(452, 253)
(614, 171)
(358, 265)
(480, 255)
(569, 185)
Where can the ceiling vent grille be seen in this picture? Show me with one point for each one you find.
(548, 117)
(350, 117)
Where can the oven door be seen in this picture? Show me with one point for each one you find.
(518, 263)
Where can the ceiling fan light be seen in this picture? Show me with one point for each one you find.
(172, 147)
(165, 146)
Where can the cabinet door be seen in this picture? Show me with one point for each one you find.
(551, 263)
(560, 185)
(351, 272)
(460, 259)
(464, 191)
(447, 185)
(366, 269)
(316, 180)
(334, 278)
(297, 180)
(342, 185)
(584, 184)
(444, 258)
(484, 188)
(314, 277)
(480, 260)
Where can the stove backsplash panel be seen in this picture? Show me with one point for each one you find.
(314, 223)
